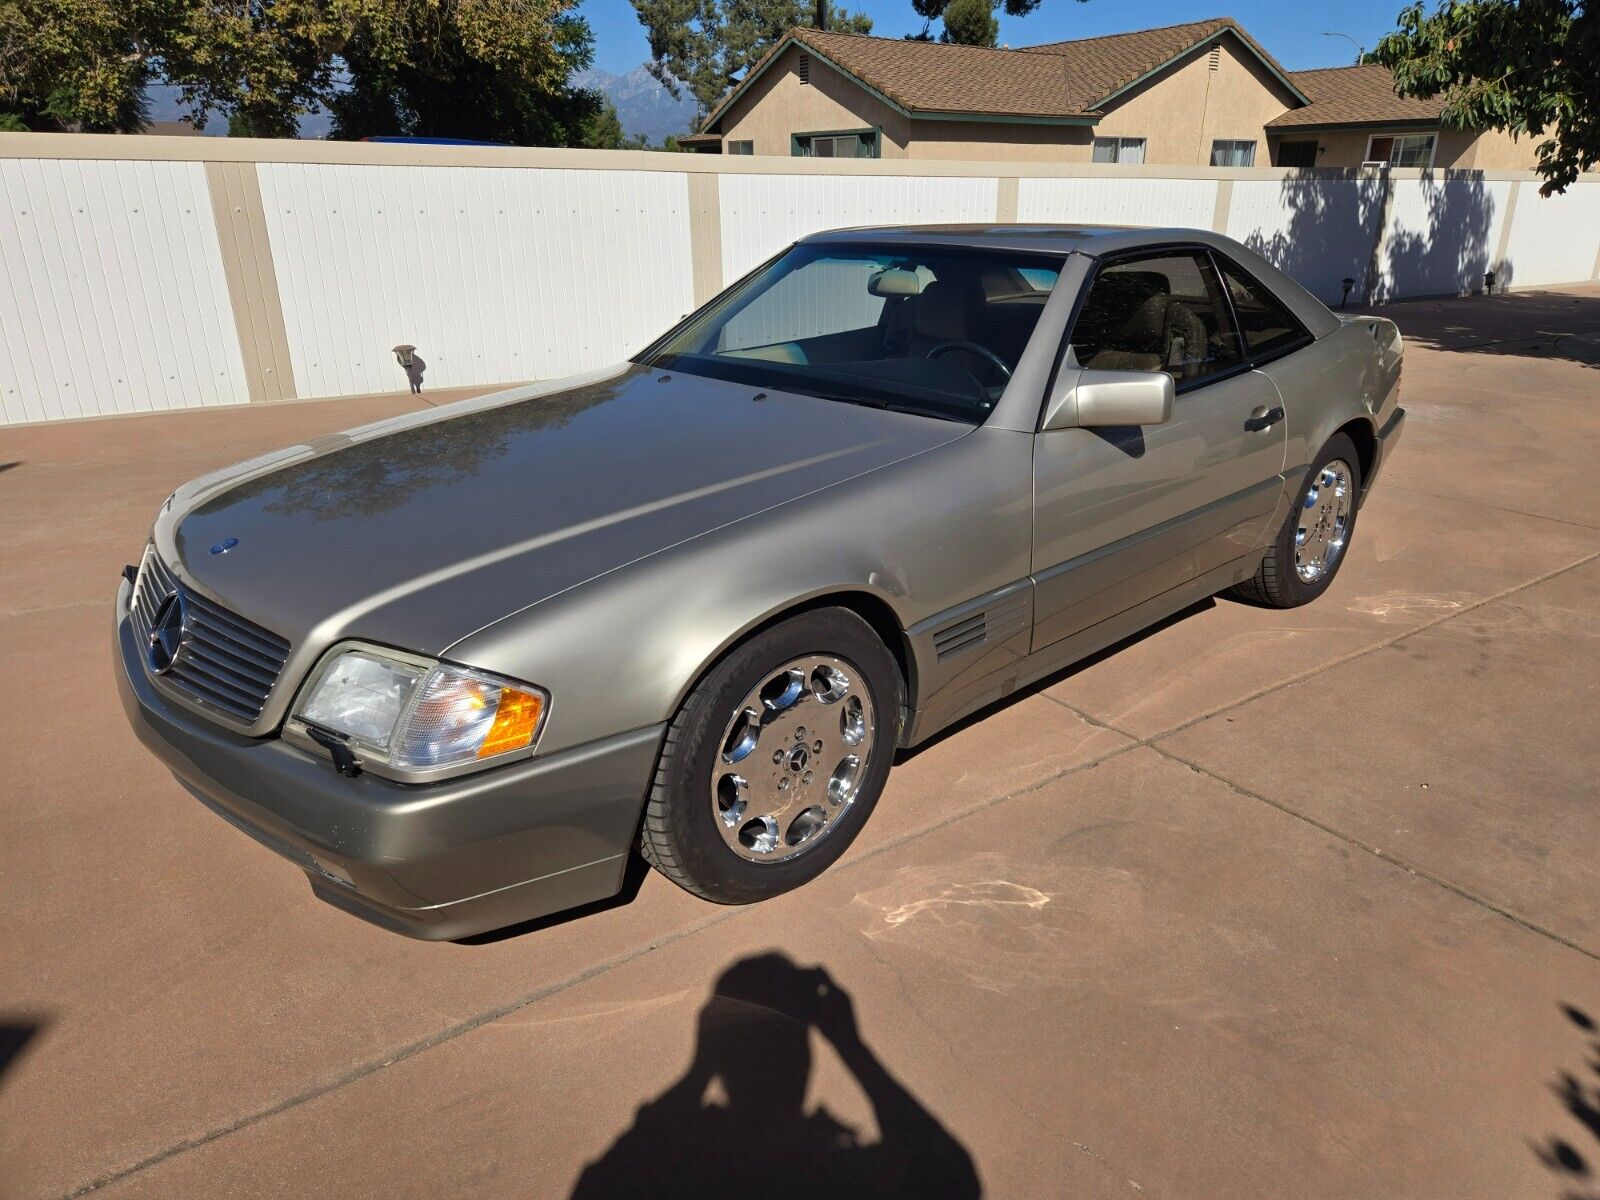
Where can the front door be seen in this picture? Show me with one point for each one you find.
(1125, 514)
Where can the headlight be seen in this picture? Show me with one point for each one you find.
(417, 715)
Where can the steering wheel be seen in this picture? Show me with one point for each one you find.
(972, 348)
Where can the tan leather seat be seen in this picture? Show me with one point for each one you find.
(946, 312)
(1139, 327)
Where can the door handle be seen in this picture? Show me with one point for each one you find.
(1263, 418)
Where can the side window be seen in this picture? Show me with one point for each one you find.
(1157, 314)
(1269, 328)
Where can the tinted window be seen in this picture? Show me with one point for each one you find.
(1157, 314)
(1267, 325)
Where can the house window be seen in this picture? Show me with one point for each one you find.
(860, 144)
(1408, 150)
(1228, 153)
(741, 147)
(1118, 150)
(1297, 154)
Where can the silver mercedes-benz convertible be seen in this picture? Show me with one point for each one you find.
(458, 665)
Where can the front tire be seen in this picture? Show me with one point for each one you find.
(775, 759)
(1310, 547)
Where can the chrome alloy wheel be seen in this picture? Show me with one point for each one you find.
(792, 759)
(1324, 520)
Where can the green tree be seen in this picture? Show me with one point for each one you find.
(703, 46)
(493, 70)
(971, 23)
(603, 131)
(1531, 68)
(489, 70)
(262, 63)
(80, 64)
(968, 22)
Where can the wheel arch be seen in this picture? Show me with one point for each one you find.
(878, 614)
(1361, 431)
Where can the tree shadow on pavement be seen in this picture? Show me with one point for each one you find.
(1578, 1169)
(735, 1124)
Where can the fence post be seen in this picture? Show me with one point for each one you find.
(705, 234)
(252, 279)
(1224, 206)
(1498, 264)
(1005, 200)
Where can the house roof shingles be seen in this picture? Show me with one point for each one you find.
(1103, 66)
(1362, 95)
(1068, 80)
(1060, 79)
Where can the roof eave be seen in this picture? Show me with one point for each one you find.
(1239, 36)
(1370, 123)
(934, 114)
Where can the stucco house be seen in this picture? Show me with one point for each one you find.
(1200, 94)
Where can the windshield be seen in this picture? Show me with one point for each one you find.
(935, 331)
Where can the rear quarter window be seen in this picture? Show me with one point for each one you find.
(1269, 329)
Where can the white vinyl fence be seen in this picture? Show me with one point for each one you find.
(156, 273)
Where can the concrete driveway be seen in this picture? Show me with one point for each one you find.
(1262, 904)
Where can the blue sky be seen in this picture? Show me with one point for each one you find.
(1291, 32)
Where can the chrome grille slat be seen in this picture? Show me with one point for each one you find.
(193, 673)
(250, 676)
(226, 662)
(251, 637)
(235, 644)
(208, 688)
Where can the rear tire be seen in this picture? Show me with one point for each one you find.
(775, 760)
(1310, 547)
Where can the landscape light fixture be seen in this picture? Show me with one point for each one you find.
(1488, 283)
(1348, 284)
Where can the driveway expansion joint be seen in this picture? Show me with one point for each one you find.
(1409, 867)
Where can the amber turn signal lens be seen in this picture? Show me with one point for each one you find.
(515, 722)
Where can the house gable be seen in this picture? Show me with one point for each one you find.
(776, 104)
(1218, 90)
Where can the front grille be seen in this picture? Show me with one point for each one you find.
(224, 661)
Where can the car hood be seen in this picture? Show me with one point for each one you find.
(416, 532)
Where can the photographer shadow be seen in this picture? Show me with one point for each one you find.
(735, 1124)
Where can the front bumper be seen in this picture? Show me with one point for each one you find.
(436, 861)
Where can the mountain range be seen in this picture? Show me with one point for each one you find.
(642, 103)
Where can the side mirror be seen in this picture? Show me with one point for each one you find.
(1100, 398)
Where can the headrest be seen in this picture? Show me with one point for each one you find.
(1126, 290)
(1147, 326)
(894, 282)
(944, 312)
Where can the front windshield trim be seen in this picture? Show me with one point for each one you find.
(904, 395)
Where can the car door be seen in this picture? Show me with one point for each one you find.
(1124, 514)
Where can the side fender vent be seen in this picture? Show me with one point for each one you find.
(996, 623)
(963, 635)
